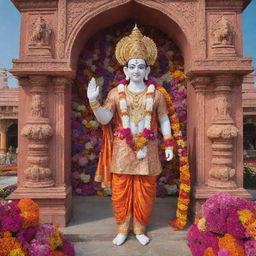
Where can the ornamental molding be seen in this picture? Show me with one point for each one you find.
(79, 13)
(37, 131)
(222, 131)
(25, 5)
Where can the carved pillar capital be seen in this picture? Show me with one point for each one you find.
(200, 83)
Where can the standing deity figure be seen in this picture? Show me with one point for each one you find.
(129, 159)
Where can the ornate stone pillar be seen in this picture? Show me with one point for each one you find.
(38, 131)
(216, 139)
(45, 147)
(3, 131)
(222, 133)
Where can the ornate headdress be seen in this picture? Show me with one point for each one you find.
(136, 46)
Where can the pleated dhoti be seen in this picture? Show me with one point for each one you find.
(133, 197)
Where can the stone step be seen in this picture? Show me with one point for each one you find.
(93, 228)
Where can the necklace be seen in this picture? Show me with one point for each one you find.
(137, 104)
(141, 144)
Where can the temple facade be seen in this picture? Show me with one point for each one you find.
(53, 34)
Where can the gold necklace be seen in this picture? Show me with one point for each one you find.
(136, 105)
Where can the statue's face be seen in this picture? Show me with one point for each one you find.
(136, 70)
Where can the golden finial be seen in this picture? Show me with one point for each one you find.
(136, 46)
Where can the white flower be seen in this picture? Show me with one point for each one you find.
(171, 189)
(88, 62)
(93, 68)
(147, 121)
(74, 105)
(81, 108)
(125, 121)
(85, 177)
(94, 124)
(95, 56)
(88, 145)
(142, 153)
(84, 122)
(162, 180)
(110, 69)
(91, 157)
(76, 114)
(120, 88)
(149, 103)
(151, 88)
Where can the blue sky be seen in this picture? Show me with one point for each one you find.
(10, 33)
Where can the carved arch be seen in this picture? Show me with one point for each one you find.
(119, 10)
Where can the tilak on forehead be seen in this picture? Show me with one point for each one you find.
(136, 46)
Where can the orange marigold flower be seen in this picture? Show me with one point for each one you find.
(209, 252)
(29, 212)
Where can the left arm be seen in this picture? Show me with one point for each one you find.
(167, 133)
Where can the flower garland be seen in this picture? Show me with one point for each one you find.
(125, 133)
(184, 193)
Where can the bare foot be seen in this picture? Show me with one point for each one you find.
(143, 239)
(119, 239)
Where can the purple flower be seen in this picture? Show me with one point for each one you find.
(250, 247)
(44, 231)
(38, 249)
(11, 223)
(223, 252)
(199, 241)
(234, 227)
(26, 235)
(68, 248)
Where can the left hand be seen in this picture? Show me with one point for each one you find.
(168, 154)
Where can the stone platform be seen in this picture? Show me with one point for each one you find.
(92, 229)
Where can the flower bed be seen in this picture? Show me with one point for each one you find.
(227, 228)
(22, 235)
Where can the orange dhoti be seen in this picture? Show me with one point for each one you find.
(133, 197)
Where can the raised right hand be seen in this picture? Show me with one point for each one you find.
(93, 90)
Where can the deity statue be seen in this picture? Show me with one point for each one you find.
(129, 158)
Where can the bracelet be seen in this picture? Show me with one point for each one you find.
(94, 105)
(168, 142)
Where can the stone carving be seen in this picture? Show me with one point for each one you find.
(223, 107)
(37, 173)
(222, 132)
(38, 106)
(40, 32)
(37, 131)
(62, 17)
(222, 173)
(223, 32)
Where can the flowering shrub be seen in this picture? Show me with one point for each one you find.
(22, 235)
(227, 228)
(97, 61)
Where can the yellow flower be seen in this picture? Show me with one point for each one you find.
(55, 240)
(201, 224)
(16, 252)
(178, 75)
(182, 207)
(245, 216)
(184, 187)
(88, 125)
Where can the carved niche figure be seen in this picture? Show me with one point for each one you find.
(223, 107)
(40, 32)
(38, 106)
(223, 32)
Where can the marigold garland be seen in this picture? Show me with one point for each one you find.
(184, 193)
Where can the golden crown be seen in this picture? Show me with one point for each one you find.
(136, 46)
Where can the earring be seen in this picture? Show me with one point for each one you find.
(127, 78)
(146, 77)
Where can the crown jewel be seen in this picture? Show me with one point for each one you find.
(136, 46)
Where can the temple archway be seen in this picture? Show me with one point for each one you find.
(47, 67)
